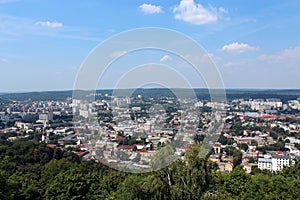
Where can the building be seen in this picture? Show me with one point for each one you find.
(225, 166)
(280, 161)
(265, 163)
(84, 113)
(275, 162)
(46, 116)
(248, 167)
(217, 148)
(268, 104)
(3, 116)
(294, 104)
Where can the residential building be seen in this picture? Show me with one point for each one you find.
(275, 162)
(46, 116)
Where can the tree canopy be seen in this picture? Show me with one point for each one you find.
(31, 170)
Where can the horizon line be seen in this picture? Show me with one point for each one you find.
(67, 90)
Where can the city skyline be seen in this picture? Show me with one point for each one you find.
(253, 44)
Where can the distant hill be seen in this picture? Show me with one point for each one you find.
(160, 92)
(38, 96)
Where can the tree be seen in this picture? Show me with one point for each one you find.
(254, 143)
(132, 188)
(225, 141)
(54, 167)
(71, 184)
(163, 157)
(58, 154)
(287, 141)
(229, 151)
(198, 138)
(183, 179)
(251, 160)
(4, 189)
(45, 154)
(105, 186)
(234, 184)
(255, 170)
(237, 157)
(257, 187)
(71, 157)
(24, 176)
(243, 146)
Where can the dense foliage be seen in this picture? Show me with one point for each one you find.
(31, 170)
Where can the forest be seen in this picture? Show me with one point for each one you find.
(32, 170)
(201, 93)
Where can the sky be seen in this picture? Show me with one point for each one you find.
(253, 44)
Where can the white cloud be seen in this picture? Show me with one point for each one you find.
(208, 59)
(117, 54)
(214, 58)
(194, 13)
(223, 10)
(238, 47)
(16, 26)
(150, 9)
(165, 58)
(285, 56)
(231, 64)
(49, 24)
(3, 60)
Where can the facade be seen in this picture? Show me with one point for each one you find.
(248, 167)
(280, 161)
(84, 113)
(294, 104)
(2, 116)
(265, 163)
(46, 116)
(274, 162)
(225, 166)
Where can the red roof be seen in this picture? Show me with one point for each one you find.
(126, 146)
(82, 153)
(268, 116)
(143, 150)
(51, 145)
(279, 153)
(120, 138)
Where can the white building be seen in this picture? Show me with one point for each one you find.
(265, 163)
(275, 162)
(295, 104)
(84, 113)
(261, 104)
(3, 116)
(279, 161)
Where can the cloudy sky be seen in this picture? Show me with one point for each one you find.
(254, 44)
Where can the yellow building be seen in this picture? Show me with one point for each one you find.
(225, 166)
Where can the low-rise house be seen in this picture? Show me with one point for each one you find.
(126, 147)
(248, 167)
(214, 158)
(225, 166)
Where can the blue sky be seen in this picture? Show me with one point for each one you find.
(254, 44)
